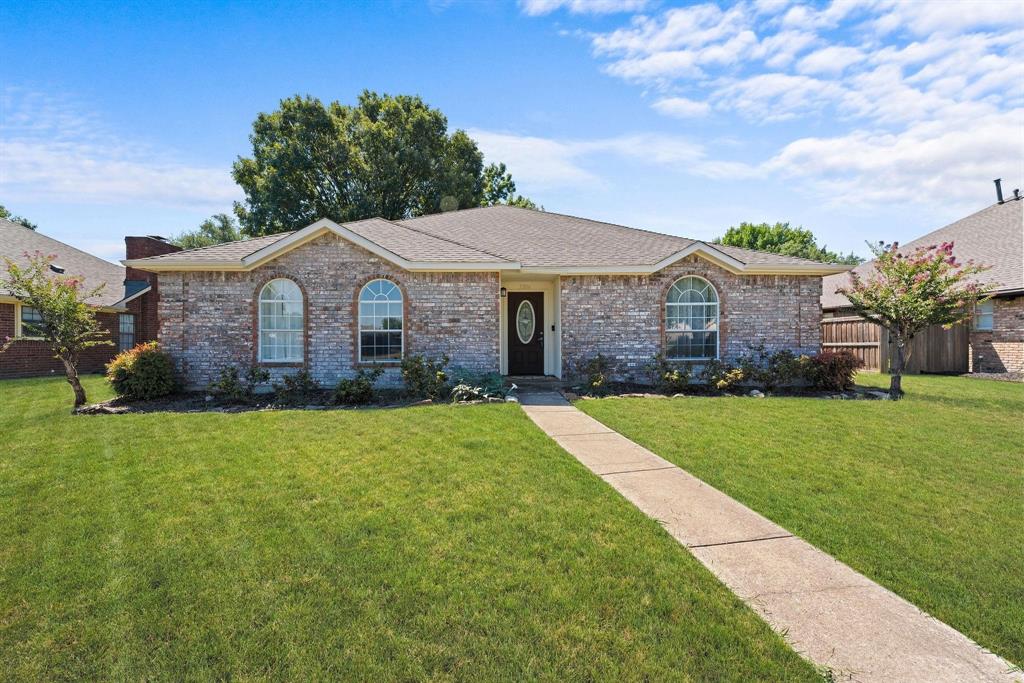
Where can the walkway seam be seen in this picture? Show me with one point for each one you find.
(870, 635)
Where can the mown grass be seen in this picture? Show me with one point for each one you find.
(442, 543)
(924, 495)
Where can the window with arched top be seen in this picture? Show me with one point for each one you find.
(281, 322)
(691, 320)
(381, 322)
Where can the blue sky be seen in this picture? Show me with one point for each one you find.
(861, 120)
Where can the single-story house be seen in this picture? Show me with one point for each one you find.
(992, 237)
(500, 288)
(125, 308)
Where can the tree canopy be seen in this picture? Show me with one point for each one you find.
(907, 292)
(214, 230)
(388, 155)
(20, 220)
(781, 238)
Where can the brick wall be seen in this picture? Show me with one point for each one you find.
(623, 316)
(28, 358)
(208, 319)
(147, 322)
(1002, 348)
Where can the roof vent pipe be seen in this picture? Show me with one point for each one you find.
(999, 189)
(1016, 193)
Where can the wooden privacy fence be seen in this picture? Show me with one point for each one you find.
(934, 350)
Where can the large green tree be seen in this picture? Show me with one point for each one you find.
(781, 238)
(388, 155)
(499, 188)
(214, 230)
(20, 220)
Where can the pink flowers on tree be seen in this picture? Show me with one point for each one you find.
(908, 292)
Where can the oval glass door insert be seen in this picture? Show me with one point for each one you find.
(526, 322)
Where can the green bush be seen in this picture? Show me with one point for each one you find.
(595, 375)
(833, 370)
(298, 390)
(772, 370)
(425, 377)
(233, 387)
(668, 377)
(359, 389)
(141, 373)
(474, 386)
(721, 375)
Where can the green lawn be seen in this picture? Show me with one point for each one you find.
(925, 495)
(443, 543)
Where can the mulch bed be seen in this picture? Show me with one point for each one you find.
(625, 390)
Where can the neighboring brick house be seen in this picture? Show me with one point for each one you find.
(125, 308)
(992, 237)
(500, 289)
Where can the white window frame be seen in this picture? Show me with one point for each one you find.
(19, 329)
(359, 324)
(260, 328)
(981, 314)
(121, 318)
(718, 319)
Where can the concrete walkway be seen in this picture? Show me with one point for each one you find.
(829, 613)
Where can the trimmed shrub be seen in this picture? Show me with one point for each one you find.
(425, 377)
(232, 387)
(721, 375)
(359, 389)
(299, 389)
(141, 373)
(772, 370)
(668, 377)
(833, 370)
(595, 375)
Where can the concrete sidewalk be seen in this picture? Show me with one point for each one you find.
(829, 613)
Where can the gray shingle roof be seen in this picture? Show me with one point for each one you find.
(17, 240)
(504, 235)
(993, 237)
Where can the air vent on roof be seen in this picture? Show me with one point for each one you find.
(57, 269)
(999, 189)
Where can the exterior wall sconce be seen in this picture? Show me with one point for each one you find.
(504, 292)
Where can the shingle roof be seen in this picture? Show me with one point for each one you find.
(501, 235)
(993, 237)
(16, 241)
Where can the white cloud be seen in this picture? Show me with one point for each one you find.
(53, 151)
(776, 96)
(829, 60)
(924, 18)
(539, 7)
(681, 107)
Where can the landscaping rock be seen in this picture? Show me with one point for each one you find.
(511, 399)
(879, 395)
(755, 393)
(316, 407)
(101, 409)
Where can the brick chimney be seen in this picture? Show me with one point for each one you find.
(147, 323)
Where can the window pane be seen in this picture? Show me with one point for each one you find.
(380, 321)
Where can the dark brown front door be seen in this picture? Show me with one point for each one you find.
(526, 333)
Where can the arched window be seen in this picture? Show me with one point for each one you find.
(380, 322)
(691, 320)
(281, 323)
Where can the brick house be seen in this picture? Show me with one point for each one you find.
(499, 288)
(125, 308)
(992, 237)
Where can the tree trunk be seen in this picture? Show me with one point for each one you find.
(71, 373)
(896, 370)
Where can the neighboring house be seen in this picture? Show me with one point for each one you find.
(993, 237)
(502, 289)
(125, 308)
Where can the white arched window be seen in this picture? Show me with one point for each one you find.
(691, 320)
(381, 322)
(281, 323)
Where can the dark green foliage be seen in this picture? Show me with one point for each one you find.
(833, 370)
(772, 370)
(298, 389)
(782, 239)
(425, 377)
(668, 377)
(21, 220)
(142, 373)
(357, 390)
(471, 386)
(595, 375)
(216, 229)
(499, 188)
(234, 387)
(721, 375)
(388, 155)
